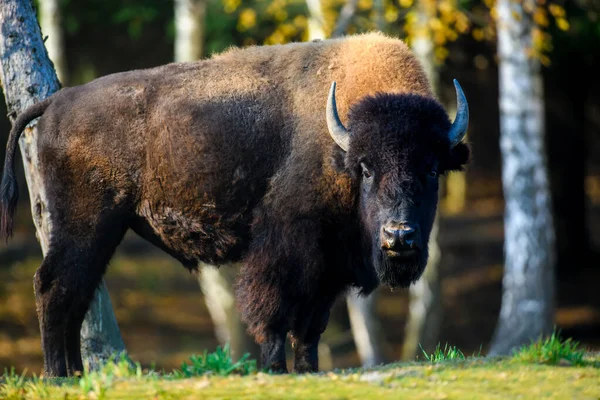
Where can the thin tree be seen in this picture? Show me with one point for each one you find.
(189, 29)
(528, 285)
(51, 24)
(28, 77)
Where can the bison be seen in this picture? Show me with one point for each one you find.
(246, 157)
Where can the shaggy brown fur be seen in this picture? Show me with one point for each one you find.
(230, 159)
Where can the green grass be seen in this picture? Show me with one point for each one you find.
(220, 363)
(445, 354)
(446, 374)
(553, 350)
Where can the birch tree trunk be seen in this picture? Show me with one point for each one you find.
(51, 24)
(216, 283)
(217, 286)
(315, 20)
(28, 77)
(346, 15)
(425, 296)
(189, 29)
(528, 285)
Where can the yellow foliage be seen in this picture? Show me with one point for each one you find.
(246, 20)
(557, 11)
(406, 3)
(230, 6)
(562, 24)
(276, 38)
(494, 13)
(300, 21)
(462, 23)
(435, 24)
(281, 15)
(445, 7)
(391, 14)
(441, 53)
(545, 60)
(478, 34)
(365, 4)
(541, 17)
(288, 29)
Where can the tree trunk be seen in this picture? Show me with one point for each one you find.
(379, 8)
(27, 78)
(189, 29)
(367, 329)
(51, 24)
(216, 283)
(425, 296)
(217, 286)
(315, 20)
(528, 284)
(345, 17)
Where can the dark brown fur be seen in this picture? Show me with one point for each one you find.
(230, 159)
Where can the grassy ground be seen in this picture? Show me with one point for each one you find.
(473, 378)
(552, 369)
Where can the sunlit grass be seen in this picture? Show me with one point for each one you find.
(219, 362)
(447, 353)
(216, 375)
(552, 350)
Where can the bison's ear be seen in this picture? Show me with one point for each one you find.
(338, 158)
(458, 157)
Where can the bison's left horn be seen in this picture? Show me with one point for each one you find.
(461, 122)
(337, 130)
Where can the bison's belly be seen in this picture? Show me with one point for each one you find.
(198, 234)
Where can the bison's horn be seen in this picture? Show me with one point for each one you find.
(337, 130)
(461, 122)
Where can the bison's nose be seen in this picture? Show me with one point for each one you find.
(399, 237)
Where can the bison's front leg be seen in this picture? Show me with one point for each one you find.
(308, 327)
(272, 352)
(266, 312)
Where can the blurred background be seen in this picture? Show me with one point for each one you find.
(160, 307)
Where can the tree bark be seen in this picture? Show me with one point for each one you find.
(425, 308)
(367, 330)
(345, 17)
(379, 8)
(189, 29)
(51, 24)
(315, 20)
(28, 77)
(217, 286)
(528, 285)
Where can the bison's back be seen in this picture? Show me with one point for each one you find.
(194, 147)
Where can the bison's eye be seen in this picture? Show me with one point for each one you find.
(365, 171)
(433, 173)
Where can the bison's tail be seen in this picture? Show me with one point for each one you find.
(9, 192)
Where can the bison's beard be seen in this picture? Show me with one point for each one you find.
(399, 272)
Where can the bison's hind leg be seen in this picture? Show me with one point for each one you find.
(65, 283)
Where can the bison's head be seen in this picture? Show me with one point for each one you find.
(397, 146)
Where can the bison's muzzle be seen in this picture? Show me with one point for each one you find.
(400, 240)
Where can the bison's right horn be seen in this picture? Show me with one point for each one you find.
(461, 121)
(337, 130)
